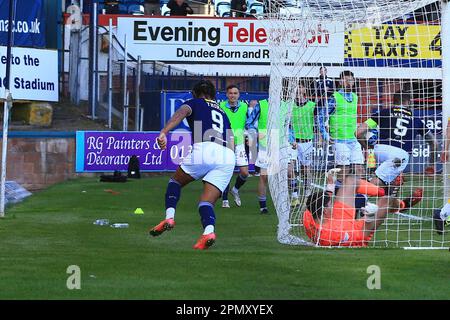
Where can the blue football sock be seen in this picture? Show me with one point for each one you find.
(173, 193)
(262, 202)
(225, 193)
(293, 185)
(240, 181)
(207, 216)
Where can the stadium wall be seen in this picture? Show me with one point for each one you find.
(37, 160)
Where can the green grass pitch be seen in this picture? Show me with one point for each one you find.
(53, 229)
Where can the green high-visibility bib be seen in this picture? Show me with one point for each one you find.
(343, 121)
(262, 121)
(303, 120)
(237, 120)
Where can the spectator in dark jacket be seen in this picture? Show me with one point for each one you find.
(238, 8)
(324, 87)
(151, 7)
(179, 8)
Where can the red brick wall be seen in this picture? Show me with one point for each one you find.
(36, 163)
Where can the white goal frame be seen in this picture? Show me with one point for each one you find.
(283, 234)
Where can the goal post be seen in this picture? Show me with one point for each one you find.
(391, 49)
(445, 38)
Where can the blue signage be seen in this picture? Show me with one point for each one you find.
(171, 101)
(28, 23)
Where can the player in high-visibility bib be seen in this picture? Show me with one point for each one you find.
(283, 135)
(287, 142)
(260, 114)
(303, 115)
(341, 115)
(237, 113)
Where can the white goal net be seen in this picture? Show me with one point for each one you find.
(357, 86)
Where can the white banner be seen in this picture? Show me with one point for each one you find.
(296, 43)
(34, 74)
(234, 41)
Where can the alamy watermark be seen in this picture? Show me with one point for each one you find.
(374, 280)
(74, 280)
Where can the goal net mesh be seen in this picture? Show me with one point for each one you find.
(387, 50)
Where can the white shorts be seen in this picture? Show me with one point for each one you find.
(293, 153)
(240, 155)
(305, 153)
(385, 154)
(347, 152)
(210, 161)
(262, 160)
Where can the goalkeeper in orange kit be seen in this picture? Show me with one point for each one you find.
(329, 220)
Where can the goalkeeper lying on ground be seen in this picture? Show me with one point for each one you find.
(329, 219)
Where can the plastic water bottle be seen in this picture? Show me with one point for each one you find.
(101, 222)
(120, 225)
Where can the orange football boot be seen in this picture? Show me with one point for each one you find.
(165, 225)
(205, 241)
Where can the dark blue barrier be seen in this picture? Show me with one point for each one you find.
(151, 102)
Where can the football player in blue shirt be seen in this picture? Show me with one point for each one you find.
(211, 159)
(397, 129)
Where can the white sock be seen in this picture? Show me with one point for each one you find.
(170, 213)
(209, 229)
(235, 190)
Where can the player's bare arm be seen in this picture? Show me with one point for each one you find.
(361, 133)
(346, 193)
(183, 112)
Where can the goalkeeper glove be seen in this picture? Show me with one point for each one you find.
(370, 211)
(331, 176)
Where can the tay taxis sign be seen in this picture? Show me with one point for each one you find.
(405, 45)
